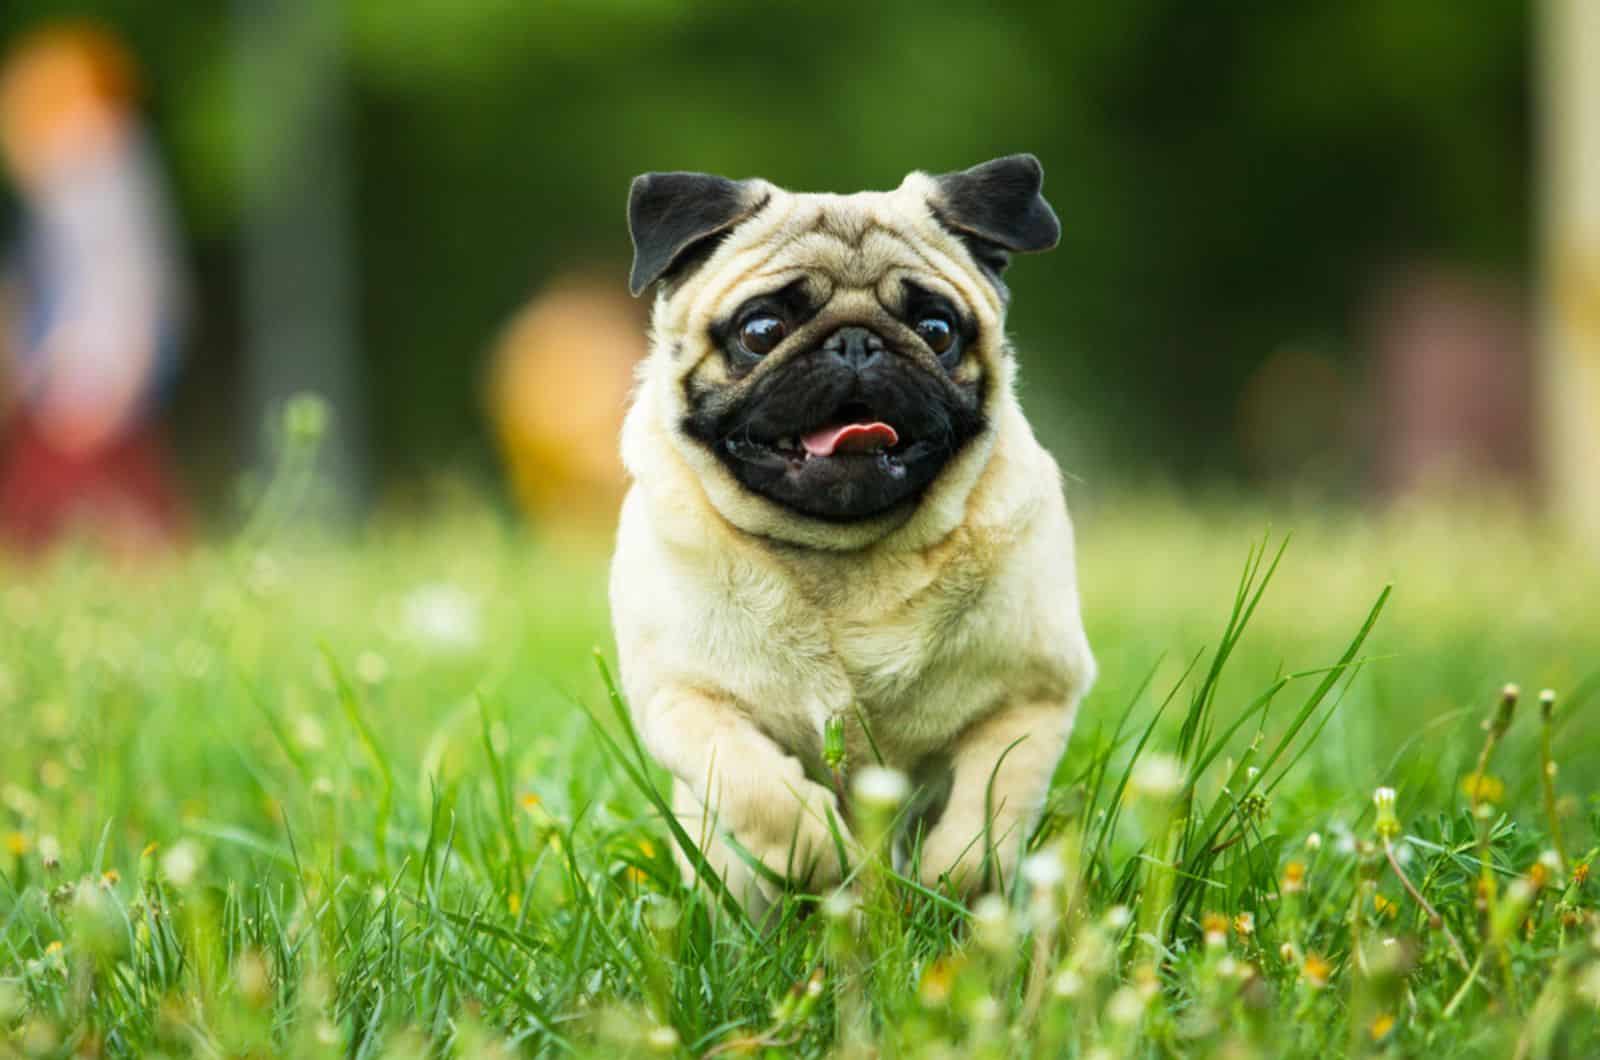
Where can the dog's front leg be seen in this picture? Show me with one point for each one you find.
(1002, 767)
(734, 780)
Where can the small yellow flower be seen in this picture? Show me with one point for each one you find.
(1580, 873)
(1214, 926)
(1481, 787)
(17, 844)
(1294, 878)
(514, 903)
(53, 949)
(1538, 875)
(1485, 891)
(1316, 971)
(531, 802)
(647, 848)
(1385, 907)
(1381, 1026)
(933, 990)
(149, 848)
(110, 878)
(637, 875)
(1244, 925)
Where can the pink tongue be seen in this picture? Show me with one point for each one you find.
(850, 438)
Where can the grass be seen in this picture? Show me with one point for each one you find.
(373, 798)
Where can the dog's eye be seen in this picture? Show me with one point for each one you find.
(762, 333)
(937, 331)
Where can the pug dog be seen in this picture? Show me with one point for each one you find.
(838, 515)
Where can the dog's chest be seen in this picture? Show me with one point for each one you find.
(904, 639)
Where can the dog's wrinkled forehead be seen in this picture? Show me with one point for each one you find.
(956, 229)
(831, 244)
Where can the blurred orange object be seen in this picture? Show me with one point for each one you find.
(558, 387)
(65, 89)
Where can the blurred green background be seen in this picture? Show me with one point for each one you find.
(1235, 180)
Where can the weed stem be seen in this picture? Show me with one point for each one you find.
(1435, 921)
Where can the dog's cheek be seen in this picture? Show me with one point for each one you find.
(710, 372)
(969, 371)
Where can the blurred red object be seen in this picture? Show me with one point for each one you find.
(120, 493)
(1454, 383)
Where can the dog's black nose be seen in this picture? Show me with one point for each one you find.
(856, 346)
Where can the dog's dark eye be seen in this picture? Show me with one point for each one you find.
(937, 331)
(762, 333)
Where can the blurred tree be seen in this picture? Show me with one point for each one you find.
(1230, 175)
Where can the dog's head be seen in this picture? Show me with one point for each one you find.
(823, 360)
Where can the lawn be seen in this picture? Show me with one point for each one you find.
(371, 797)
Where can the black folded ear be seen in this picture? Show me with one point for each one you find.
(997, 209)
(676, 219)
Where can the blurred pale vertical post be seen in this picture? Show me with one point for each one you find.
(299, 325)
(1570, 207)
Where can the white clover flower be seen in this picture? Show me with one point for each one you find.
(252, 978)
(840, 905)
(12, 1001)
(181, 863)
(1044, 870)
(881, 788)
(1118, 917)
(371, 668)
(308, 733)
(985, 1010)
(1125, 1006)
(1067, 984)
(1589, 985)
(444, 616)
(1158, 776)
(991, 924)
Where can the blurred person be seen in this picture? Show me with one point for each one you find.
(558, 387)
(96, 301)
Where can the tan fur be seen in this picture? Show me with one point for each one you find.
(951, 629)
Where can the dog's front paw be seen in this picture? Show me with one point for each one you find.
(800, 835)
(952, 855)
(956, 853)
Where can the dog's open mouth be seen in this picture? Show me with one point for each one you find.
(843, 459)
(851, 432)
